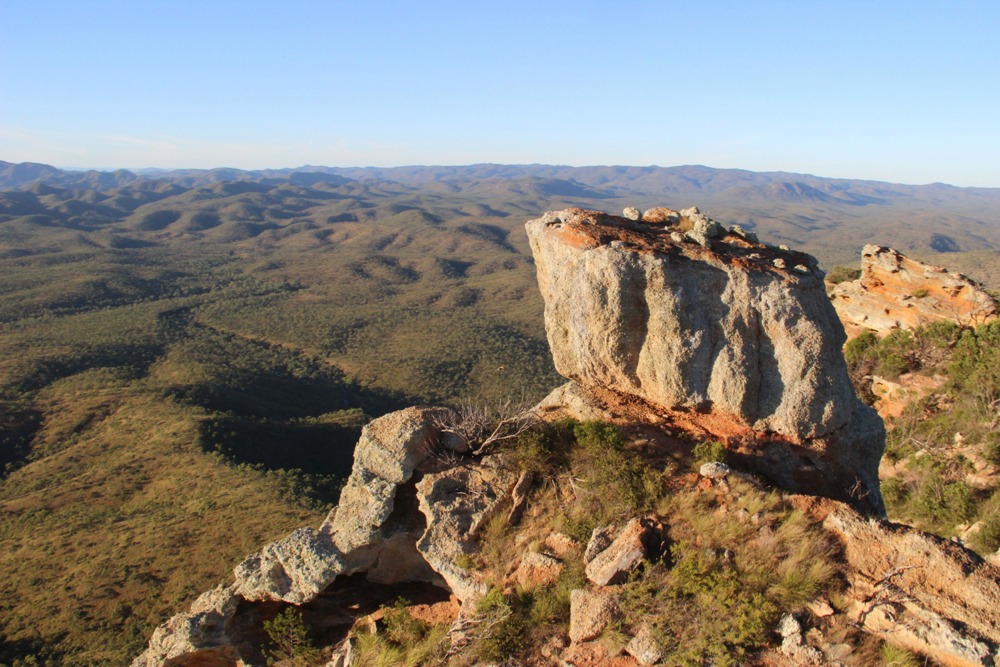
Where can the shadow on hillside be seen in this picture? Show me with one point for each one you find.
(18, 426)
(315, 448)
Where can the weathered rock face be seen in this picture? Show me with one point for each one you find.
(456, 502)
(896, 292)
(718, 325)
(387, 525)
(921, 591)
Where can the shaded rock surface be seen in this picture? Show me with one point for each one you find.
(896, 292)
(716, 328)
(456, 502)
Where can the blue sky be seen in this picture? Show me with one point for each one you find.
(897, 91)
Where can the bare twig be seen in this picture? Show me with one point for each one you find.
(479, 427)
(887, 592)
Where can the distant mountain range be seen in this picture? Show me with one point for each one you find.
(610, 181)
(829, 217)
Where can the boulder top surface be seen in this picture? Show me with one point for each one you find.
(679, 235)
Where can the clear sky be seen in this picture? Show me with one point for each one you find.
(898, 91)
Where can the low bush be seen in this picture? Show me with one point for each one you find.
(288, 640)
(732, 571)
(708, 451)
(839, 274)
(404, 641)
(987, 539)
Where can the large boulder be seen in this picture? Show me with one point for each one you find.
(716, 328)
(896, 292)
(294, 569)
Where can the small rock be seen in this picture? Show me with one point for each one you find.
(789, 626)
(561, 545)
(820, 608)
(589, 613)
(632, 213)
(779, 263)
(643, 646)
(689, 212)
(749, 236)
(968, 532)
(342, 656)
(698, 237)
(638, 539)
(714, 470)
(802, 268)
(784, 247)
(754, 255)
(676, 237)
(838, 653)
(661, 216)
(705, 225)
(537, 570)
(519, 497)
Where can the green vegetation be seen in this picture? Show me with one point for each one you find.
(185, 369)
(839, 274)
(402, 641)
(940, 436)
(288, 640)
(709, 451)
(736, 559)
(147, 386)
(893, 656)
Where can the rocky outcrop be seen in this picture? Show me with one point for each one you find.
(200, 636)
(896, 292)
(920, 591)
(717, 325)
(456, 502)
(388, 526)
(590, 611)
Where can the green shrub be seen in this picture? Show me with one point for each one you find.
(920, 293)
(618, 480)
(727, 586)
(707, 451)
(839, 274)
(894, 656)
(944, 502)
(897, 354)
(288, 640)
(405, 641)
(987, 539)
(702, 611)
(975, 363)
(991, 448)
(894, 491)
(544, 449)
(507, 622)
